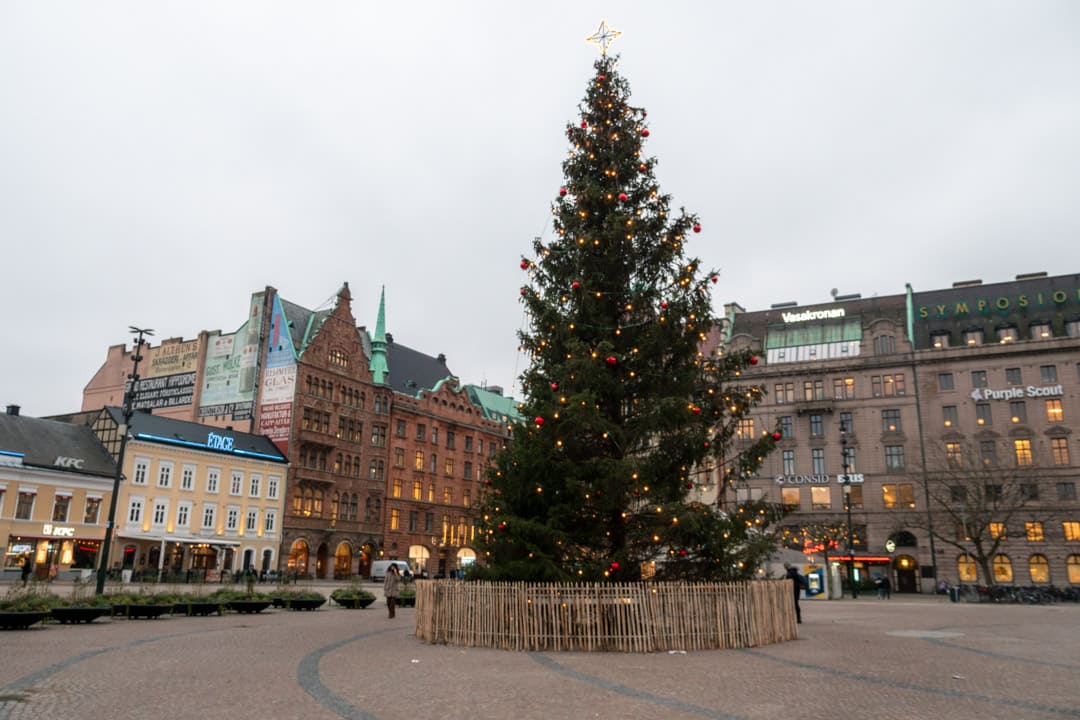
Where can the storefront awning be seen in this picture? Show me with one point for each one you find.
(185, 539)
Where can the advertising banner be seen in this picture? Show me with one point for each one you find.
(171, 358)
(164, 392)
(278, 386)
(228, 386)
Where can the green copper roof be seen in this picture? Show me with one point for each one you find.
(379, 369)
(495, 406)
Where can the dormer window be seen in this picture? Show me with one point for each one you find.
(973, 336)
(1007, 334)
(1040, 330)
(939, 339)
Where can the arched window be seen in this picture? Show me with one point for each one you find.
(307, 384)
(348, 465)
(298, 500)
(337, 463)
(334, 506)
(1003, 572)
(317, 509)
(373, 470)
(367, 510)
(1072, 569)
(378, 510)
(1039, 569)
(307, 501)
(966, 569)
(352, 507)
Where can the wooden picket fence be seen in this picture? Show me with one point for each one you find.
(630, 617)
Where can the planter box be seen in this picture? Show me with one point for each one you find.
(248, 606)
(141, 611)
(352, 602)
(305, 604)
(197, 608)
(21, 620)
(75, 615)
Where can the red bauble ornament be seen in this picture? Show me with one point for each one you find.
(584, 124)
(562, 192)
(524, 264)
(697, 227)
(523, 292)
(611, 360)
(487, 482)
(601, 78)
(623, 197)
(753, 359)
(776, 436)
(636, 492)
(614, 566)
(664, 305)
(502, 526)
(682, 553)
(706, 443)
(643, 167)
(575, 284)
(696, 410)
(645, 132)
(554, 386)
(539, 422)
(689, 486)
(714, 278)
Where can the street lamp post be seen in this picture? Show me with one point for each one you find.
(847, 506)
(128, 411)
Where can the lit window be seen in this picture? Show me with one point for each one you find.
(1054, 412)
(1003, 569)
(1039, 569)
(967, 569)
(1071, 528)
(1023, 452)
(1007, 334)
(949, 415)
(1059, 450)
(1072, 567)
(997, 530)
(1040, 331)
(1034, 531)
(973, 336)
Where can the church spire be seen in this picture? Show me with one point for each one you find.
(379, 368)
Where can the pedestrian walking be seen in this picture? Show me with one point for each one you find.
(391, 587)
(885, 589)
(799, 584)
(26, 568)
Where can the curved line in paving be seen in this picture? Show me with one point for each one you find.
(625, 691)
(307, 676)
(912, 687)
(1002, 656)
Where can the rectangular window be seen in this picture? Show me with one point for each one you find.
(843, 388)
(468, 474)
(1054, 412)
(1013, 376)
(855, 497)
(978, 379)
(466, 498)
(450, 439)
(418, 461)
(1066, 491)
(898, 495)
(817, 428)
(1018, 411)
(448, 495)
(875, 386)
(820, 498)
(399, 428)
(395, 519)
(1048, 373)
(787, 429)
(187, 477)
(817, 456)
(945, 381)
(948, 413)
(983, 414)
(213, 476)
(890, 421)
(417, 490)
(434, 462)
(846, 425)
(93, 511)
(161, 511)
(448, 466)
(434, 435)
(468, 443)
(784, 393)
(272, 484)
(429, 522)
(208, 515)
(414, 520)
(1059, 450)
(61, 503)
(894, 458)
(399, 457)
(957, 493)
(421, 432)
(808, 390)
(744, 429)
(183, 514)
(135, 511)
(142, 470)
(431, 492)
(789, 496)
(24, 507)
(988, 453)
(252, 523)
(397, 487)
(255, 485)
(1029, 492)
(236, 483)
(847, 459)
(789, 462)
(378, 435)
(997, 530)
(1022, 450)
(270, 521)
(954, 455)
(164, 478)
(1071, 529)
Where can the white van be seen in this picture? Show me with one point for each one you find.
(378, 568)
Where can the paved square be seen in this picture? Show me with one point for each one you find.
(904, 658)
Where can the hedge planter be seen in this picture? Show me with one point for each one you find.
(354, 602)
(304, 603)
(78, 614)
(249, 606)
(134, 611)
(21, 620)
(202, 608)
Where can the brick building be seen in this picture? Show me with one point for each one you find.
(905, 395)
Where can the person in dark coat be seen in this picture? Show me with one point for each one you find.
(391, 588)
(26, 568)
(799, 584)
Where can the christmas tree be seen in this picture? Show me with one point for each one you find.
(623, 407)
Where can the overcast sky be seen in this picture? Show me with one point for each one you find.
(161, 161)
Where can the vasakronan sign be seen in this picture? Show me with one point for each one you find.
(1017, 393)
(805, 315)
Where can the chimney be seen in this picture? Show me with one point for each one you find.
(13, 409)
(441, 358)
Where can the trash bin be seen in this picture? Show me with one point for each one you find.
(954, 594)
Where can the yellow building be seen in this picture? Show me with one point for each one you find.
(55, 484)
(197, 501)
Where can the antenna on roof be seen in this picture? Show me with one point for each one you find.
(834, 292)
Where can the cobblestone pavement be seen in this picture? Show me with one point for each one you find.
(903, 658)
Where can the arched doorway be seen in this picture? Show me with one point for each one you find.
(366, 552)
(322, 557)
(907, 574)
(298, 558)
(418, 559)
(267, 560)
(343, 561)
(465, 558)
